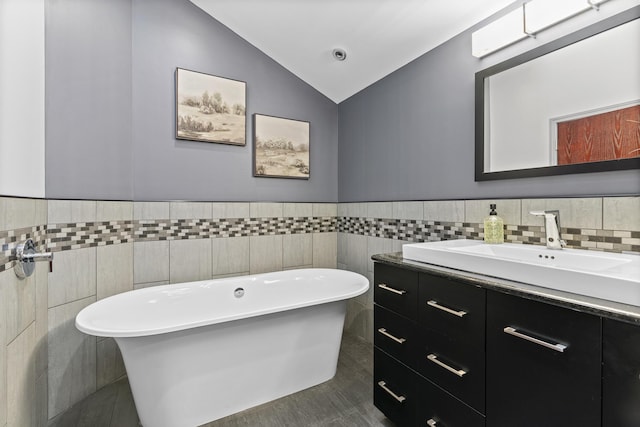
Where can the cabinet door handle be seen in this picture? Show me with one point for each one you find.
(384, 332)
(383, 385)
(390, 289)
(435, 304)
(432, 423)
(513, 331)
(459, 372)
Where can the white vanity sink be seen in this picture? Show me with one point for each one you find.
(610, 276)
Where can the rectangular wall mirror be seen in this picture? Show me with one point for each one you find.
(570, 106)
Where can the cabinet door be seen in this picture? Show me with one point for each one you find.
(394, 388)
(543, 364)
(437, 408)
(395, 335)
(396, 289)
(621, 374)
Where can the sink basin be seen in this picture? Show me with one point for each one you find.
(610, 276)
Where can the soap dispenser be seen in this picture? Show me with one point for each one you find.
(493, 227)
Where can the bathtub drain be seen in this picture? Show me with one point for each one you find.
(239, 292)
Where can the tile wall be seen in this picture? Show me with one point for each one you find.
(364, 229)
(104, 248)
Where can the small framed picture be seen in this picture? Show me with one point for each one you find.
(280, 147)
(210, 108)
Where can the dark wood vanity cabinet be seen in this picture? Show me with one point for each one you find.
(429, 349)
(451, 353)
(543, 364)
(621, 374)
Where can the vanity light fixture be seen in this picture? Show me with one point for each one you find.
(526, 21)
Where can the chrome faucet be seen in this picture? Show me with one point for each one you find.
(551, 228)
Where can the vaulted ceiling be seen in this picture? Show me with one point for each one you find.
(378, 36)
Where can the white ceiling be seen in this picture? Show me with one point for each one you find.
(379, 36)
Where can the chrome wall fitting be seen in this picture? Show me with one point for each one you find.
(26, 258)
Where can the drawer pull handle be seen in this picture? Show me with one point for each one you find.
(432, 423)
(513, 331)
(383, 385)
(384, 332)
(435, 304)
(459, 372)
(390, 289)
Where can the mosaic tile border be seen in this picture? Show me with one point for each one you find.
(428, 231)
(69, 236)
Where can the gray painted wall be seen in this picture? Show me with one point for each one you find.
(123, 54)
(410, 136)
(88, 99)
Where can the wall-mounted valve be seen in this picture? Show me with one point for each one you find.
(26, 258)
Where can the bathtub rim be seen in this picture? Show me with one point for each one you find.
(84, 314)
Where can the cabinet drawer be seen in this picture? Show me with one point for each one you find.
(543, 364)
(621, 374)
(453, 309)
(396, 289)
(394, 388)
(395, 335)
(454, 365)
(437, 408)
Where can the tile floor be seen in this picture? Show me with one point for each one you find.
(344, 401)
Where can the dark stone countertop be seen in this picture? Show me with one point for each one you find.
(609, 309)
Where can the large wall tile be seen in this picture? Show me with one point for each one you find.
(265, 254)
(41, 400)
(66, 211)
(190, 260)
(190, 210)
(42, 318)
(110, 365)
(380, 210)
(17, 213)
(21, 379)
(114, 269)
(444, 210)
(150, 285)
(377, 245)
(357, 253)
(73, 277)
(4, 303)
(359, 320)
(230, 210)
(266, 210)
(230, 255)
(325, 209)
(297, 210)
(575, 212)
(408, 210)
(353, 210)
(150, 262)
(297, 250)
(621, 213)
(325, 250)
(477, 210)
(151, 210)
(114, 211)
(20, 303)
(343, 249)
(72, 358)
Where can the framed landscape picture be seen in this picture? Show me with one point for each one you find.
(210, 108)
(281, 147)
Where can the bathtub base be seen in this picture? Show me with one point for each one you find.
(195, 376)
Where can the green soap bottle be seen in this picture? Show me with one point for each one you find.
(493, 227)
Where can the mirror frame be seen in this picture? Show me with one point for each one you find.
(602, 166)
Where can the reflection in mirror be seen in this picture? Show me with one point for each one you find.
(567, 107)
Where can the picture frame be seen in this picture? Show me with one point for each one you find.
(280, 147)
(210, 108)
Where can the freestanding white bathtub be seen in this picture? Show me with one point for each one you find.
(199, 351)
